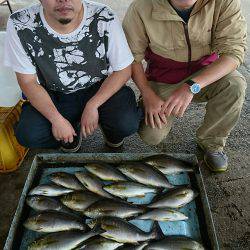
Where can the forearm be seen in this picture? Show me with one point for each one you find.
(218, 69)
(140, 79)
(110, 86)
(39, 98)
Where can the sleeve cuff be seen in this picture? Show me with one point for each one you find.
(124, 64)
(138, 58)
(237, 59)
(19, 69)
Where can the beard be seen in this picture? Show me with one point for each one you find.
(64, 21)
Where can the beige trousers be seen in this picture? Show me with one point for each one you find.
(224, 99)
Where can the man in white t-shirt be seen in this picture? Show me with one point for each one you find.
(72, 60)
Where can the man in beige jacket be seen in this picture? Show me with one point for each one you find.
(192, 49)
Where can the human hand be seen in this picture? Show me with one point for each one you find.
(153, 105)
(89, 120)
(177, 102)
(62, 130)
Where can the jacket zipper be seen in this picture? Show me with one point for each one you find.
(185, 25)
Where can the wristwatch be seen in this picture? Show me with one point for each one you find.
(194, 86)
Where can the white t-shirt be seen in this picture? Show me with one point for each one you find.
(67, 62)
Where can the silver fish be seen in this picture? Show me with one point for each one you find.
(132, 247)
(122, 231)
(50, 190)
(169, 165)
(79, 200)
(129, 189)
(62, 240)
(99, 243)
(105, 172)
(66, 180)
(92, 183)
(163, 214)
(43, 203)
(53, 221)
(109, 207)
(175, 198)
(175, 243)
(145, 174)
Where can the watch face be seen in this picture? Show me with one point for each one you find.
(195, 88)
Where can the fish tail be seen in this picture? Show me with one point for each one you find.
(156, 232)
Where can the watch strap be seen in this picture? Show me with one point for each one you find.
(190, 82)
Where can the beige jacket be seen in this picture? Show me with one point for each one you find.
(214, 26)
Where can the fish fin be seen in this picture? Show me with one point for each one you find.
(145, 210)
(97, 229)
(159, 190)
(156, 231)
(156, 198)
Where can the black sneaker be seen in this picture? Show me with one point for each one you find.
(73, 147)
(216, 161)
(110, 143)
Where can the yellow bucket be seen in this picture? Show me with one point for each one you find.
(11, 152)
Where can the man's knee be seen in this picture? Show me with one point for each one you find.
(152, 136)
(26, 136)
(235, 84)
(128, 124)
(151, 140)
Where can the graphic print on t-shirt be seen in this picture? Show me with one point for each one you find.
(69, 62)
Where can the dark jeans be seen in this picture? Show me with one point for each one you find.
(119, 117)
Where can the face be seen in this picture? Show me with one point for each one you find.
(62, 11)
(183, 4)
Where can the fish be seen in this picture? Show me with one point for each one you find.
(43, 203)
(175, 243)
(122, 231)
(54, 221)
(79, 201)
(92, 183)
(129, 189)
(105, 172)
(50, 190)
(163, 214)
(133, 247)
(66, 180)
(175, 198)
(63, 240)
(109, 207)
(169, 165)
(145, 174)
(99, 243)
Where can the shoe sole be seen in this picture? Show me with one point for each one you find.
(110, 144)
(73, 150)
(207, 164)
(212, 169)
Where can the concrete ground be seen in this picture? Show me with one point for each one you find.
(228, 193)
